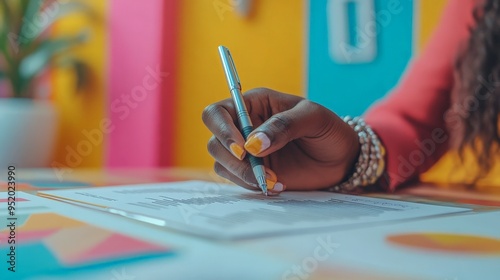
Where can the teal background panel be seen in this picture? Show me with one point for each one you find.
(349, 89)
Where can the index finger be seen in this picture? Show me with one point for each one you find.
(220, 119)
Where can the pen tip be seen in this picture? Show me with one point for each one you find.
(262, 183)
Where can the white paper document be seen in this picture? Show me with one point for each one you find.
(223, 211)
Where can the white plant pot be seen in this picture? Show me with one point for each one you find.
(27, 132)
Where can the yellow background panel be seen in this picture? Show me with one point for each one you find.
(450, 169)
(268, 49)
(83, 110)
(429, 15)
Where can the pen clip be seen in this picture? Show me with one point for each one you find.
(230, 68)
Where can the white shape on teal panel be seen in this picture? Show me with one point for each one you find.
(349, 88)
(340, 47)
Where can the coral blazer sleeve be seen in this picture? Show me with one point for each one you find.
(411, 120)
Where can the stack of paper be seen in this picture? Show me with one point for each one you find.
(227, 212)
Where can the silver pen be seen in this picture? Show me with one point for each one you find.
(246, 126)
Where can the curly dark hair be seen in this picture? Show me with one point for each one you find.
(478, 69)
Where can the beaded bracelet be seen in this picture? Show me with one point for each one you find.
(371, 160)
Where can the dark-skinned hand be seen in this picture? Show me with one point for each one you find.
(305, 146)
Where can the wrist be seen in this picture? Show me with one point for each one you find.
(370, 161)
(352, 158)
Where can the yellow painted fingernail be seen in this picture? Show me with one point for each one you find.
(237, 151)
(270, 184)
(257, 143)
(271, 179)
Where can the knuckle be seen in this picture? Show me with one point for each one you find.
(212, 117)
(219, 170)
(224, 132)
(258, 92)
(213, 146)
(312, 106)
(246, 173)
(209, 112)
(320, 113)
(281, 124)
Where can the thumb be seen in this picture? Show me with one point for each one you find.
(306, 119)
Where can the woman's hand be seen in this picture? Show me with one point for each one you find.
(306, 145)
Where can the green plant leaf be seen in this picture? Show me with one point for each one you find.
(34, 63)
(53, 12)
(4, 31)
(30, 22)
(6, 14)
(2, 75)
(3, 25)
(3, 14)
(24, 45)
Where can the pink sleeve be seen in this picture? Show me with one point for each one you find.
(410, 121)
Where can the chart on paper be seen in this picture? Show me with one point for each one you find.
(228, 212)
